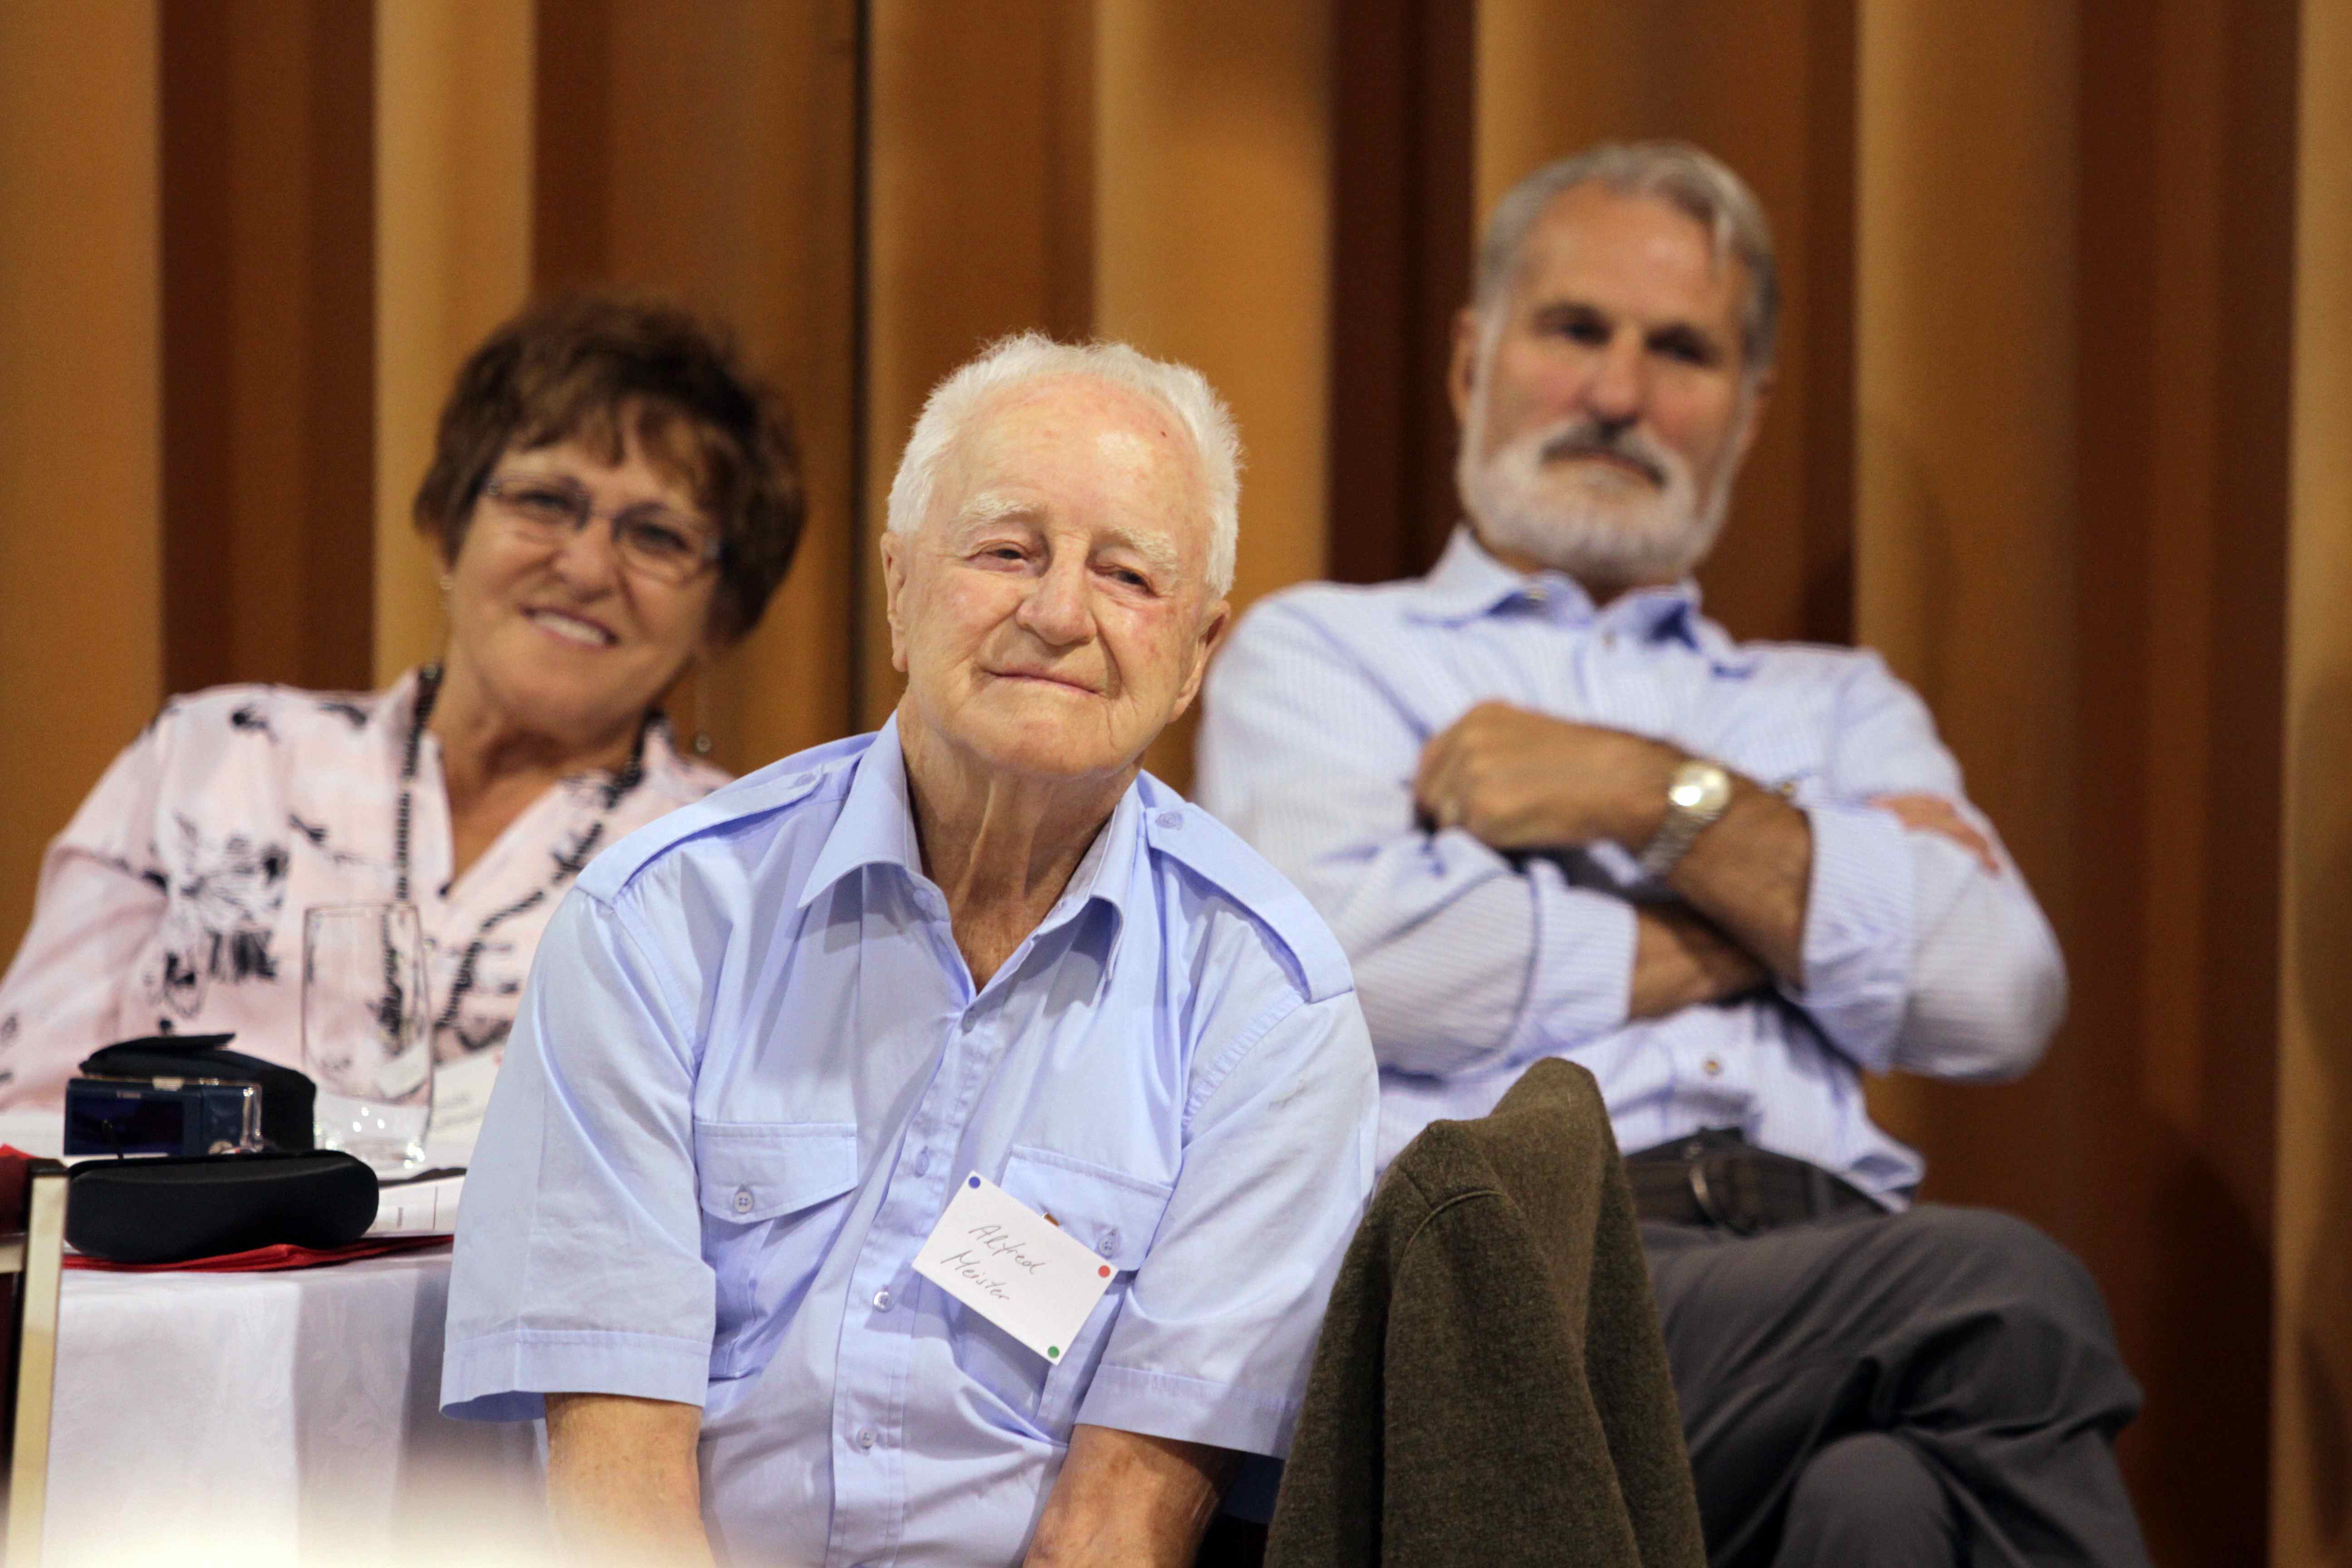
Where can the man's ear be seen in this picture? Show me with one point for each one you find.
(894, 594)
(1218, 621)
(1461, 370)
(1759, 397)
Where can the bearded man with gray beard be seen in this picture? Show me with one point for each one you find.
(1551, 810)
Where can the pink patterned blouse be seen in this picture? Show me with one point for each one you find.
(173, 901)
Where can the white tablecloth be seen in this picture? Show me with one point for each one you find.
(267, 1419)
(274, 1418)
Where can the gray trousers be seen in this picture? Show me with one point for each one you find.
(1940, 1386)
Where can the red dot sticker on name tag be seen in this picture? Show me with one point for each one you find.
(1014, 1267)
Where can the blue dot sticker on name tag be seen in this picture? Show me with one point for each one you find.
(1014, 1267)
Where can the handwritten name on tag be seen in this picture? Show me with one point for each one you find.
(1013, 1267)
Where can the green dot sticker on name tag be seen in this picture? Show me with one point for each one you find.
(1053, 1352)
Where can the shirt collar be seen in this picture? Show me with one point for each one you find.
(1469, 583)
(876, 827)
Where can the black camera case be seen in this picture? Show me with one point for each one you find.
(170, 1209)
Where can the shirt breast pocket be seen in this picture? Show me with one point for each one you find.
(773, 1197)
(1114, 1214)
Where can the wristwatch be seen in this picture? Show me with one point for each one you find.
(1698, 794)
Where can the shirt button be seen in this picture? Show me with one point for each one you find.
(1711, 1066)
(1170, 819)
(881, 1300)
(742, 1200)
(923, 1164)
(1111, 1239)
(866, 1437)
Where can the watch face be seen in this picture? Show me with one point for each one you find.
(1700, 787)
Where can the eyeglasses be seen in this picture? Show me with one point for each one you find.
(650, 542)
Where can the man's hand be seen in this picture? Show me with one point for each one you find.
(1126, 1500)
(1682, 959)
(1934, 813)
(623, 1485)
(1518, 780)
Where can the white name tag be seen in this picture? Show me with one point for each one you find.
(1015, 1267)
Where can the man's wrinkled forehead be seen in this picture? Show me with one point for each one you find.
(1073, 430)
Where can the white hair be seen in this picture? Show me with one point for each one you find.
(1684, 176)
(1033, 356)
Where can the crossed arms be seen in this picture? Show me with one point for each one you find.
(1882, 909)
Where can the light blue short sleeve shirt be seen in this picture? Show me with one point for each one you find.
(750, 1068)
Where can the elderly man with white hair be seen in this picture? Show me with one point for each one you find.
(1552, 810)
(819, 1086)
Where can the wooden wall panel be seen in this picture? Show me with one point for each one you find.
(453, 162)
(80, 436)
(761, 102)
(980, 221)
(1403, 78)
(1212, 247)
(2074, 365)
(269, 389)
(1771, 90)
(2311, 1518)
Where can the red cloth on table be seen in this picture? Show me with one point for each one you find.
(262, 1259)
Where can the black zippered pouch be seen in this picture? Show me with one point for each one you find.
(171, 1209)
(287, 1096)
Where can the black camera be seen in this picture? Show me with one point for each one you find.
(162, 1116)
(183, 1094)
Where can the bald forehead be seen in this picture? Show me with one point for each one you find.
(1076, 401)
(1123, 436)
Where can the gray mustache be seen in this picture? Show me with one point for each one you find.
(1588, 442)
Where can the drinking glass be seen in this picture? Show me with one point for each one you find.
(367, 1031)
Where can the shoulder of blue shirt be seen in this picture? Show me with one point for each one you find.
(1362, 618)
(1174, 828)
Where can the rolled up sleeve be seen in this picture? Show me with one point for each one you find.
(1917, 956)
(1214, 1341)
(1858, 931)
(579, 1266)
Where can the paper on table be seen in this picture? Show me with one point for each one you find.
(1013, 1267)
(418, 1208)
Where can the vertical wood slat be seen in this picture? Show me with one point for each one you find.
(80, 428)
(2072, 487)
(267, 343)
(2311, 1474)
(1403, 92)
(453, 189)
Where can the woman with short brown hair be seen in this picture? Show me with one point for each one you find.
(611, 497)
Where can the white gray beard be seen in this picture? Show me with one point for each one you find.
(1522, 504)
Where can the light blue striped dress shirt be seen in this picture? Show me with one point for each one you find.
(1471, 965)
(751, 1065)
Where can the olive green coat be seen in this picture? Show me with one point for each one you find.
(1490, 1387)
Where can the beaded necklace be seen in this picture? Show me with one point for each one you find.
(567, 866)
